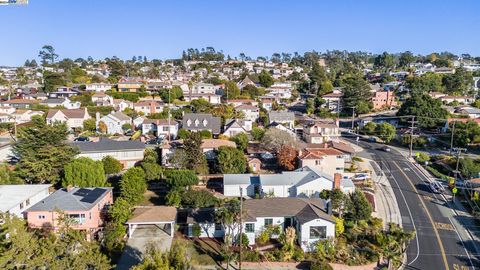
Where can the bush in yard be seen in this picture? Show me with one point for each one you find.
(181, 178)
(120, 211)
(359, 207)
(263, 237)
(196, 230)
(245, 241)
(174, 198)
(85, 172)
(339, 226)
(198, 198)
(111, 165)
(241, 140)
(153, 171)
(257, 133)
(231, 160)
(422, 157)
(133, 185)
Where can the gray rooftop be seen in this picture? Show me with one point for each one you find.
(105, 144)
(281, 116)
(12, 195)
(201, 121)
(78, 199)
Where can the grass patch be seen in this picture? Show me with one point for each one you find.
(202, 251)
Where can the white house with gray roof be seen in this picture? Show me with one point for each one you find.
(201, 121)
(114, 121)
(283, 117)
(305, 182)
(127, 152)
(15, 199)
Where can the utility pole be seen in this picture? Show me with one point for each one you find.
(168, 116)
(410, 154)
(457, 172)
(353, 117)
(241, 230)
(451, 138)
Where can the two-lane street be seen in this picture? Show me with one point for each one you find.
(437, 244)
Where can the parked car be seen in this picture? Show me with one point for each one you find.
(436, 187)
(82, 139)
(361, 176)
(385, 148)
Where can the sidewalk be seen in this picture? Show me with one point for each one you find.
(386, 203)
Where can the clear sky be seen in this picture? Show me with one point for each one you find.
(162, 29)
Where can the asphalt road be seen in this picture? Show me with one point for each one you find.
(437, 244)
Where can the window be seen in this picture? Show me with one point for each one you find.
(27, 202)
(318, 232)
(339, 157)
(268, 222)
(318, 162)
(21, 205)
(78, 218)
(41, 217)
(249, 227)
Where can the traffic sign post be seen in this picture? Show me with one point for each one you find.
(454, 191)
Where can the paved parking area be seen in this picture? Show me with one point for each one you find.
(137, 244)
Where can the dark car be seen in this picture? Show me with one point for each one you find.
(82, 139)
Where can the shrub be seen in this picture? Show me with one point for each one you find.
(111, 165)
(422, 157)
(251, 256)
(198, 198)
(174, 198)
(263, 237)
(245, 241)
(196, 230)
(320, 265)
(133, 185)
(181, 178)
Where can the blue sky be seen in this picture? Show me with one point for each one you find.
(162, 29)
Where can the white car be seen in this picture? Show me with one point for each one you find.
(436, 187)
(361, 176)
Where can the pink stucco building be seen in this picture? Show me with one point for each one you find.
(383, 99)
(85, 206)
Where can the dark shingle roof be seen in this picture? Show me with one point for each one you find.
(78, 199)
(303, 209)
(108, 145)
(201, 121)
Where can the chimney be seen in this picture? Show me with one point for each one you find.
(337, 177)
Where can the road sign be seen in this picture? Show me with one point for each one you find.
(454, 190)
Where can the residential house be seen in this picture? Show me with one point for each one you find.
(127, 152)
(86, 206)
(209, 148)
(63, 92)
(246, 81)
(470, 111)
(61, 102)
(203, 88)
(459, 99)
(254, 164)
(24, 116)
(306, 182)
(114, 122)
(267, 102)
(160, 128)
(285, 118)
(239, 102)
(311, 218)
(129, 86)
(450, 122)
(73, 118)
(121, 105)
(437, 95)
(327, 160)
(149, 106)
(333, 101)
(201, 121)
(320, 131)
(236, 126)
(203, 217)
(15, 199)
(211, 98)
(102, 99)
(383, 99)
(98, 87)
(250, 112)
(20, 103)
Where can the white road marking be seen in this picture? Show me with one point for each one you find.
(409, 213)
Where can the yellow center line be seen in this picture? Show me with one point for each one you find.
(442, 250)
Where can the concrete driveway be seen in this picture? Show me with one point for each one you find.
(143, 237)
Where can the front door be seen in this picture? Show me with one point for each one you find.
(288, 223)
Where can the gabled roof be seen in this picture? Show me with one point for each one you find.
(70, 114)
(120, 116)
(201, 121)
(77, 199)
(304, 210)
(281, 116)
